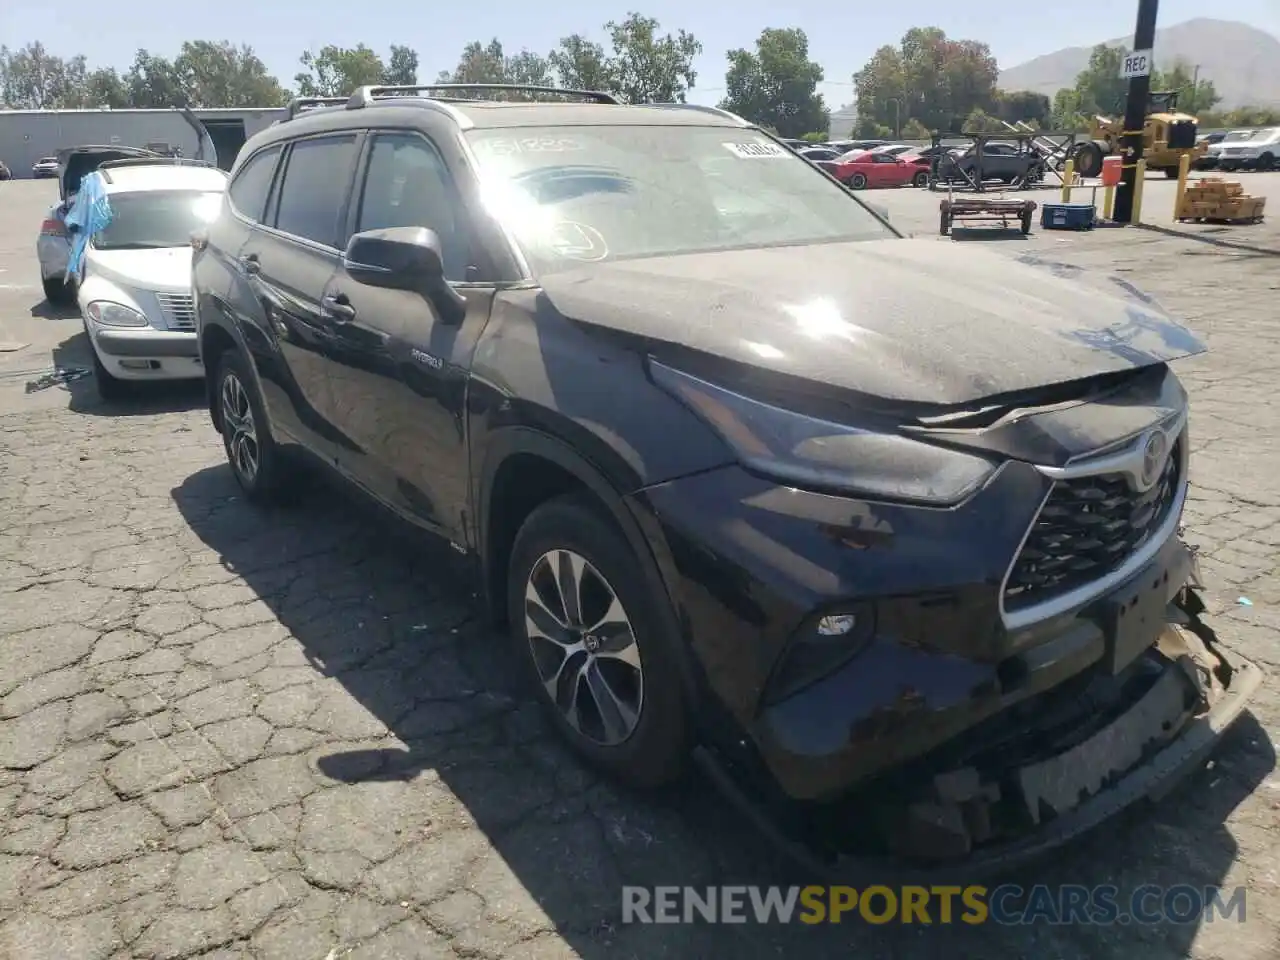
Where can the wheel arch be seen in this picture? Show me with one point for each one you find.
(523, 468)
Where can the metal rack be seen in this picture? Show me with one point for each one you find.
(367, 96)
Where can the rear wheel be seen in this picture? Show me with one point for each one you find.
(1171, 173)
(921, 179)
(252, 453)
(600, 657)
(58, 292)
(858, 181)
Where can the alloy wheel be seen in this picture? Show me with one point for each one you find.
(583, 647)
(237, 416)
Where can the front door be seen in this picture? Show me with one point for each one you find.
(400, 373)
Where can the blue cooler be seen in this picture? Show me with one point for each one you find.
(1067, 216)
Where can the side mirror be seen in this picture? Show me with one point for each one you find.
(404, 258)
(399, 258)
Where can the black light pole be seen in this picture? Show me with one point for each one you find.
(1135, 114)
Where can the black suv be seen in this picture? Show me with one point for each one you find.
(866, 523)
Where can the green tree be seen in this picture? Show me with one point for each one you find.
(220, 74)
(777, 84)
(153, 82)
(979, 121)
(338, 71)
(489, 63)
(1024, 106)
(1241, 117)
(1099, 88)
(104, 87)
(648, 68)
(402, 67)
(581, 65)
(927, 77)
(31, 78)
(913, 129)
(1194, 96)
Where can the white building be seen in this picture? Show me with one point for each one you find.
(28, 135)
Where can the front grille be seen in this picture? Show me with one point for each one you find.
(179, 310)
(1087, 528)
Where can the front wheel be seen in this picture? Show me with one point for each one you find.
(1266, 162)
(110, 389)
(251, 451)
(600, 656)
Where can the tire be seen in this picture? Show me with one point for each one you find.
(944, 224)
(1088, 159)
(255, 460)
(1266, 163)
(58, 292)
(920, 180)
(858, 181)
(647, 743)
(110, 389)
(1171, 173)
(1026, 224)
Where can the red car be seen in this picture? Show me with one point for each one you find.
(863, 170)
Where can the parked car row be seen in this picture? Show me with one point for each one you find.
(1242, 150)
(895, 576)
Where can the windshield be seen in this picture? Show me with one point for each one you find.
(1235, 136)
(157, 218)
(583, 194)
(47, 160)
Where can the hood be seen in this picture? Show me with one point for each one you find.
(904, 320)
(76, 162)
(167, 270)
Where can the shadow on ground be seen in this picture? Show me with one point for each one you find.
(72, 372)
(390, 619)
(1211, 237)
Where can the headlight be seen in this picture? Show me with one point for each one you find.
(809, 452)
(115, 314)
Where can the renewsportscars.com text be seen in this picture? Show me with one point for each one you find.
(1007, 905)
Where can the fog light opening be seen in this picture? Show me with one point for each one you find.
(837, 625)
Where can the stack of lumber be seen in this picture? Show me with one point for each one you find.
(1213, 198)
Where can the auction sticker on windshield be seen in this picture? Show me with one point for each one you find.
(756, 151)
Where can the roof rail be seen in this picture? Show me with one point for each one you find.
(302, 104)
(703, 108)
(106, 168)
(365, 96)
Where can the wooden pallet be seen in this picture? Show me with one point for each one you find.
(1216, 208)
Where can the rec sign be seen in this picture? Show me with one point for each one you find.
(1136, 64)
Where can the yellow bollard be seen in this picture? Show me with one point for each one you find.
(1184, 170)
(1108, 202)
(1068, 174)
(1137, 191)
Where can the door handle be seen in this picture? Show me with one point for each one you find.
(249, 263)
(339, 308)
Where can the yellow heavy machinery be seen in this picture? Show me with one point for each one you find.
(1167, 134)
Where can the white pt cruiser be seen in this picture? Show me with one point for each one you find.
(135, 292)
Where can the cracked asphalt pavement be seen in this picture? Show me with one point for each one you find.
(234, 733)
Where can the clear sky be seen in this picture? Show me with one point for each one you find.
(841, 35)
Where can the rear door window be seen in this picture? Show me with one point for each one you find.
(252, 184)
(314, 189)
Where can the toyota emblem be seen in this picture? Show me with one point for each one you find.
(1153, 457)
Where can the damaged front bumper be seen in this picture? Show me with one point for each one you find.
(1129, 735)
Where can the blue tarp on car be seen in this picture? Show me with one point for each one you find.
(89, 213)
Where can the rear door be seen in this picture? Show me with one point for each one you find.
(399, 371)
(288, 263)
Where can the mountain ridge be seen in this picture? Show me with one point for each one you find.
(1241, 60)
